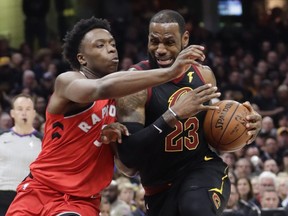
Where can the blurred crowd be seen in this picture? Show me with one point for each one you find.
(250, 64)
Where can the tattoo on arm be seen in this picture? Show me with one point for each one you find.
(131, 108)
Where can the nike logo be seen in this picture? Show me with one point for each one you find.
(206, 158)
(160, 131)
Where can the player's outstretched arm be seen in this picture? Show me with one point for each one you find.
(123, 83)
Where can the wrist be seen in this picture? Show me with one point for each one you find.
(170, 118)
(174, 114)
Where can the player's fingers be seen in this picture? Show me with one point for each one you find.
(104, 139)
(207, 92)
(116, 135)
(248, 106)
(209, 97)
(252, 138)
(194, 52)
(125, 130)
(203, 88)
(209, 107)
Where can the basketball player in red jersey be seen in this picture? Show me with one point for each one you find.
(74, 165)
(181, 175)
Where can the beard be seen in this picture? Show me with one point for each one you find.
(152, 62)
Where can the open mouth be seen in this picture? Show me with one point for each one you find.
(164, 62)
(115, 60)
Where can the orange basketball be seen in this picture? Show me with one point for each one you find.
(225, 128)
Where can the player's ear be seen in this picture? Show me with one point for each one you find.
(81, 59)
(185, 39)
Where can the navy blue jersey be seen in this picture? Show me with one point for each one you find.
(185, 148)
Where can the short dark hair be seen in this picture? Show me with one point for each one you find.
(169, 16)
(73, 38)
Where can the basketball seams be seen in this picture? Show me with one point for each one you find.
(230, 119)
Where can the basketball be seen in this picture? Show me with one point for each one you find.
(225, 128)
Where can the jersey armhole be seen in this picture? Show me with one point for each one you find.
(199, 73)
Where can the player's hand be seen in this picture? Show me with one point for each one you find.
(113, 133)
(187, 57)
(254, 122)
(192, 102)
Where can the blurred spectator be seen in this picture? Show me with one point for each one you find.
(140, 202)
(37, 123)
(244, 188)
(19, 146)
(282, 96)
(269, 199)
(16, 68)
(243, 168)
(5, 74)
(232, 177)
(283, 120)
(284, 167)
(255, 186)
(229, 158)
(104, 207)
(126, 194)
(268, 127)
(43, 59)
(271, 165)
(6, 121)
(35, 27)
(29, 83)
(238, 207)
(282, 189)
(235, 87)
(270, 150)
(46, 86)
(272, 61)
(40, 106)
(233, 202)
(267, 181)
(117, 207)
(266, 100)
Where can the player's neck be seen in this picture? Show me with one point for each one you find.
(89, 74)
(23, 130)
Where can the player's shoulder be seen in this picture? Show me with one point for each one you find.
(68, 76)
(204, 68)
(207, 74)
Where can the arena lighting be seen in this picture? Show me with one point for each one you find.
(230, 8)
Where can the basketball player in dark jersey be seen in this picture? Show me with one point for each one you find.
(74, 165)
(180, 174)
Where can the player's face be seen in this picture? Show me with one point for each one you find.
(98, 52)
(165, 43)
(23, 112)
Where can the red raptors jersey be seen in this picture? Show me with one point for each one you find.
(73, 160)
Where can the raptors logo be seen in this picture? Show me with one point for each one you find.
(216, 200)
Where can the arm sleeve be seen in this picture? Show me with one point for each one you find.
(141, 141)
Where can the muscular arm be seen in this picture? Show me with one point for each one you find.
(72, 87)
